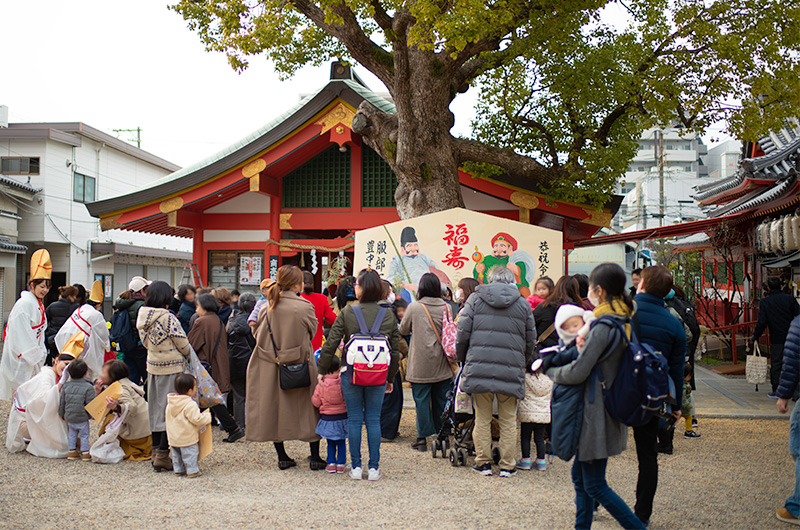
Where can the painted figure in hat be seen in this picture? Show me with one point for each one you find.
(24, 349)
(409, 267)
(90, 321)
(34, 424)
(505, 252)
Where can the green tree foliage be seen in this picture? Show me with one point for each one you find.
(563, 96)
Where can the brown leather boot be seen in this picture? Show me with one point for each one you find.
(161, 460)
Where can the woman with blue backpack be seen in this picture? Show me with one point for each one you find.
(365, 327)
(601, 436)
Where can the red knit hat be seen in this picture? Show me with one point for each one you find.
(505, 238)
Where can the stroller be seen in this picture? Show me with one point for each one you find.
(459, 418)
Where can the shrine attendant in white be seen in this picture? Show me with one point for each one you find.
(24, 350)
(92, 323)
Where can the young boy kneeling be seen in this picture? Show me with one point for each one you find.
(184, 421)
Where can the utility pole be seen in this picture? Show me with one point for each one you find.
(137, 130)
(660, 160)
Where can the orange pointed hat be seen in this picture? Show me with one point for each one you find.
(96, 294)
(41, 266)
(74, 345)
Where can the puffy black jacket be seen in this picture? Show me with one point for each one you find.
(57, 313)
(185, 313)
(790, 370)
(496, 337)
(661, 330)
(776, 311)
(240, 345)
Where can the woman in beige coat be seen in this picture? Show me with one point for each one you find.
(428, 369)
(273, 414)
(134, 435)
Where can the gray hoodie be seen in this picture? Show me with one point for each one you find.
(496, 338)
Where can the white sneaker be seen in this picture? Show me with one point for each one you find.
(356, 473)
(374, 474)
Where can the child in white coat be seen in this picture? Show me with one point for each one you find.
(534, 416)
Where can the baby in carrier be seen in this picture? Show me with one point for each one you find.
(572, 326)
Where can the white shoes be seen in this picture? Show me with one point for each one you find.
(374, 474)
(357, 474)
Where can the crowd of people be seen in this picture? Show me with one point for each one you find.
(294, 364)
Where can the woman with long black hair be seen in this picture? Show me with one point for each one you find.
(601, 436)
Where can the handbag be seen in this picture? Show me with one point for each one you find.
(449, 332)
(291, 376)
(208, 393)
(107, 449)
(756, 367)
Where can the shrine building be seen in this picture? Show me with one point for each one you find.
(298, 188)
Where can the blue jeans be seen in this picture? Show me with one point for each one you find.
(74, 431)
(363, 406)
(793, 502)
(184, 459)
(589, 479)
(430, 399)
(336, 451)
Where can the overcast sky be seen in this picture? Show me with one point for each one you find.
(121, 65)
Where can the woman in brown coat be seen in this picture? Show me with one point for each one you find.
(428, 369)
(273, 414)
(210, 341)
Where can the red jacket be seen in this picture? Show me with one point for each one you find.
(323, 311)
(328, 395)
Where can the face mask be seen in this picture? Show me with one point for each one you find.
(459, 296)
(594, 300)
(392, 297)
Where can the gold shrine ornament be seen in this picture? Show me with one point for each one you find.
(341, 113)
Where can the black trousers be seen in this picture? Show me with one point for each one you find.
(225, 419)
(776, 363)
(646, 438)
(536, 430)
(392, 410)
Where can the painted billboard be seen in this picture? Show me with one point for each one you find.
(459, 243)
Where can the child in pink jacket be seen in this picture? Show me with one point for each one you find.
(332, 416)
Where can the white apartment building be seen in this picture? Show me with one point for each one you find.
(63, 166)
(683, 166)
(723, 159)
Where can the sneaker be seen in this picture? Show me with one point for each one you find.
(483, 469)
(374, 474)
(180, 473)
(86, 457)
(783, 515)
(73, 455)
(772, 395)
(340, 469)
(506, 473)
(330, 468)
(356, 473)
(194, 475)
(524, 464)
(691, 434)
(541, 465)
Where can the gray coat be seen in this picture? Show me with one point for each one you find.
(496, 337)
(601, 435)
(76, 394)
(426, 360)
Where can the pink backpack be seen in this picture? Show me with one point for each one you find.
(449, 332)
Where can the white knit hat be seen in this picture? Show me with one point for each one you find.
(564, 313)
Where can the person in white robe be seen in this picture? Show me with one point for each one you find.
(92, 323)
(34, 424)
(24, 349)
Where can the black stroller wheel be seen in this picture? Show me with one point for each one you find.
(496, 455)
(462, 456)
(437, 448)
(453, 458)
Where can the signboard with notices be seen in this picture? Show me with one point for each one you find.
(459, 243)
(250, 270)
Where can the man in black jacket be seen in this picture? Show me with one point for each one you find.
(776, 311)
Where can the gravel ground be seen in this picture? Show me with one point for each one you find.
(736, 476)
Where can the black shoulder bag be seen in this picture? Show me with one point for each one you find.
(291, 375)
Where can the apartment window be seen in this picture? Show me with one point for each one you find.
(16, 165)
(83, 188)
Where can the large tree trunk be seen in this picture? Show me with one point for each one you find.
(416, 141)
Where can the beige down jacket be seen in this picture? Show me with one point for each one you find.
(535, 408)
